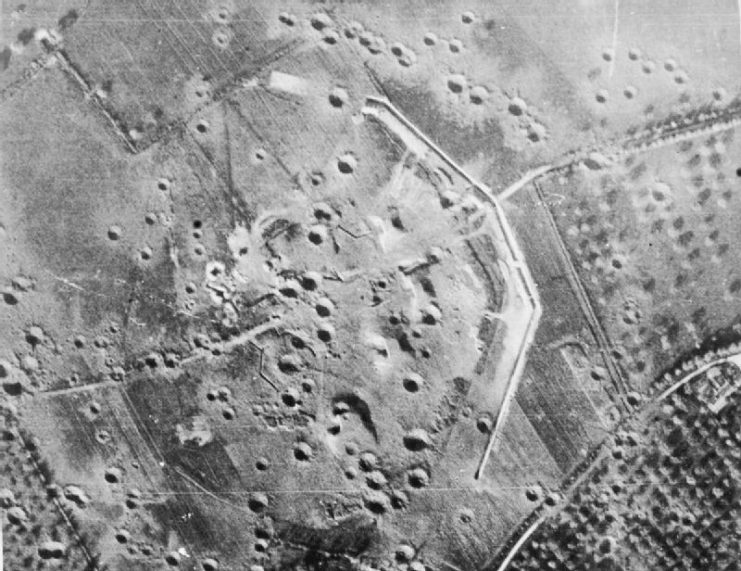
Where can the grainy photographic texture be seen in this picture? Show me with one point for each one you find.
(370, 285)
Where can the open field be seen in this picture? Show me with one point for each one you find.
(369, 286)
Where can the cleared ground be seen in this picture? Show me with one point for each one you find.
(358, 286)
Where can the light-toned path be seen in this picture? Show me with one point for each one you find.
(521, 316)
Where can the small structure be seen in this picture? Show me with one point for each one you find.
(720, 382)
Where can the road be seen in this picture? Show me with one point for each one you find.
(521, 319)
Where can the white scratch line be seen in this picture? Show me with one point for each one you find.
(68, 282)
(615, 37)
(739, 22)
